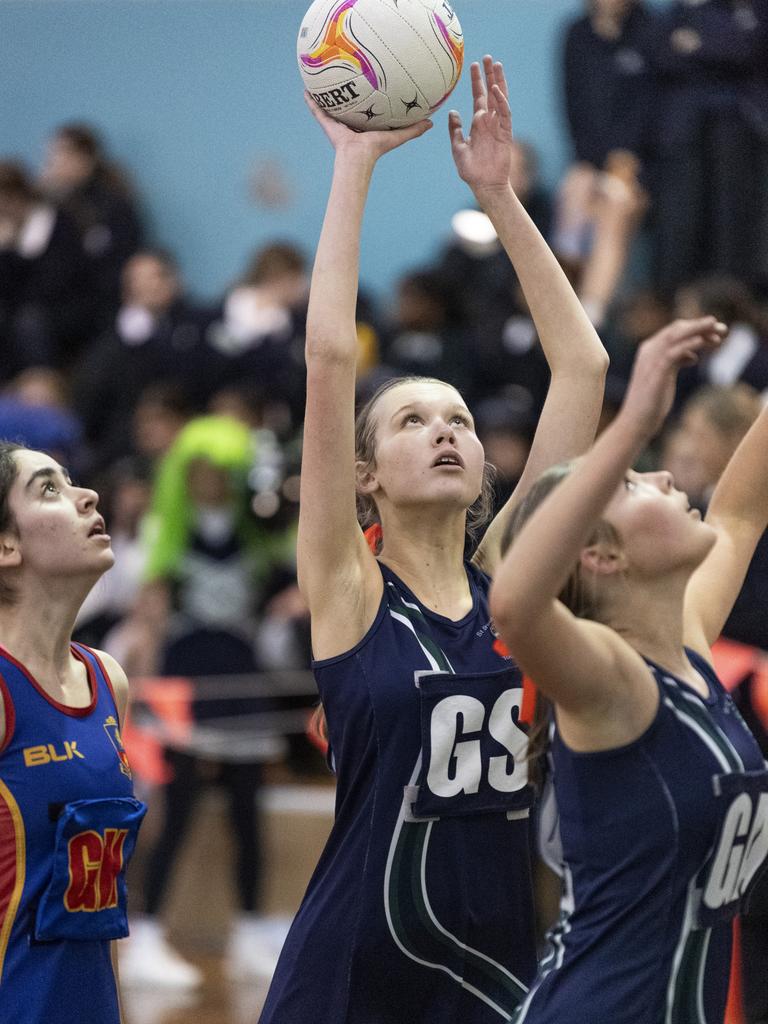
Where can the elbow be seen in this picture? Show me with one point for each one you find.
(584, 364)
(324, 350)
(592, 368)
(596, 365)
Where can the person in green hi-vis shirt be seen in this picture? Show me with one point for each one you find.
(208, 561)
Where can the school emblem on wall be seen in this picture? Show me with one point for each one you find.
(112, 729)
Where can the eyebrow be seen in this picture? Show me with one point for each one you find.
(417, 405)
(47, 472)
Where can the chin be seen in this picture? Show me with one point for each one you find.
(103, 563)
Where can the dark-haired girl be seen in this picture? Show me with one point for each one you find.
(68, 819)
(610, 597)
(420, 908)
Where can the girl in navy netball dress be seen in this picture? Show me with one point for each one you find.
(68, 818)
(610, 596)
(420, 908)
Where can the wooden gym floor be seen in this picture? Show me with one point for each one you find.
(199, 912)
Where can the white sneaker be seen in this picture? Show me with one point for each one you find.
(254, 946)
(148, 961)
(153, 1005)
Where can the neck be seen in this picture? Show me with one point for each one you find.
(427, 553)
(607, 26)
(649, 616)
(37, 627)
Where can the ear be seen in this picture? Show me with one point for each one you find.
(365, 478)
(603, 559)
(10, 551)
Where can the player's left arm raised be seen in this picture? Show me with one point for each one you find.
(576, 357)
(739, 512)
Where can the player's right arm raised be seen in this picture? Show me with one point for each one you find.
(336, 570)
(576, 358)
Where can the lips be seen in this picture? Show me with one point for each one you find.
(98, 528)
(449, 458)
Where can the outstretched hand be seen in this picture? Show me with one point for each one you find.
(659, 359)
(367, 144)
(484, 159)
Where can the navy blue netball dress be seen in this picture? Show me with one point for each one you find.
(420, 908)
(68, 825)
(660, 841)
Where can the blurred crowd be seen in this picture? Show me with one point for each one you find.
(187, 416)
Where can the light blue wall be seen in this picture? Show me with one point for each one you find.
(190, 94)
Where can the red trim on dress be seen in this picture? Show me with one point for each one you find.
(65, 709)
(104, 672)
(10, 714)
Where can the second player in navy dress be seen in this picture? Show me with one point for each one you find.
(610, 595)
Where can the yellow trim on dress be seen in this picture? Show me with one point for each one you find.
(13, 905)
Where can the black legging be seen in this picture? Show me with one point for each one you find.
(180, 795)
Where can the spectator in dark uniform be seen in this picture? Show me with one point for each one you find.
(709, 191)
(429, 336)
(96, 193)
(608, 92)
(258, 336)
(157, 335)
(44, 304)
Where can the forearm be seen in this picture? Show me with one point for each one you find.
(742, 491)
(331, 329)
(569, 340)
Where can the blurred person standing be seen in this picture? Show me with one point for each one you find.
(157, 335)
(45, 308)
(259, 334)
(82, 180)
(711, 205)
(608, 93)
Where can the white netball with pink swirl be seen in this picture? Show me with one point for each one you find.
(380, 63)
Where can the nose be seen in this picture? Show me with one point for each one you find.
(87, 500)
(665, 481)
(444, 433)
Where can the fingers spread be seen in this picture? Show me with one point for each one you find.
(500, 78)
(501, 106)
(455, 128)
(479, 95)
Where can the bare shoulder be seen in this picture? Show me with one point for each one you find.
(119, 681)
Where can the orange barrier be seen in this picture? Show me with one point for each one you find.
(734, 1012)
(170, 700)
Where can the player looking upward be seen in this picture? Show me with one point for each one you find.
(610, 596)
(421, 906)
(68, 819)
